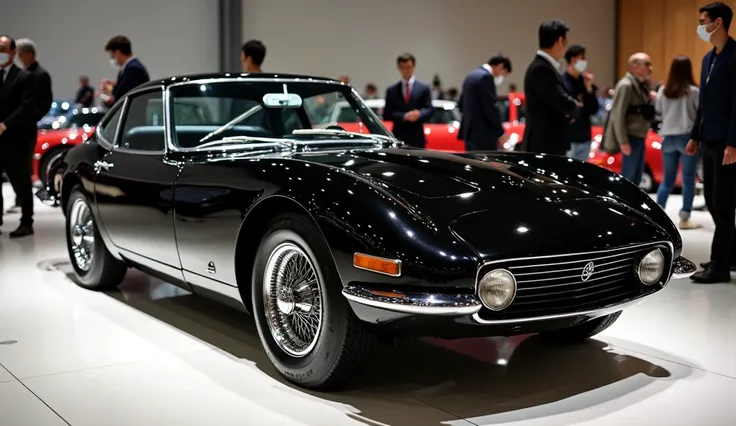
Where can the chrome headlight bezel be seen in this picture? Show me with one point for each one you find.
(654, 259)
(486, 286)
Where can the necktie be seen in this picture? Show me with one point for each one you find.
(407, 93)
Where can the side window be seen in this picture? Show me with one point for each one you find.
(143, 125)
(110, 127)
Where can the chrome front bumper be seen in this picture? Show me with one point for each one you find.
(419, 303)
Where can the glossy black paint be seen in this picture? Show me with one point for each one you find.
(197, 217)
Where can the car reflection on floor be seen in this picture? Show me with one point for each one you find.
(486, 381)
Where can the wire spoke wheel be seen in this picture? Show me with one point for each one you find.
(293, 300)
(82, 235)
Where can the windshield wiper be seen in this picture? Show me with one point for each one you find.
(341, 132)
(230, 124)
(239, 140)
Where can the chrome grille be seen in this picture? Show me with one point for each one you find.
(552, 285)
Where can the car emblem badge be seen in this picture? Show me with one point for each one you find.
(588, 270)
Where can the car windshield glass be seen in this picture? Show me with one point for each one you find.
(204, 113)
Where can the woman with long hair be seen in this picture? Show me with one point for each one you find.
(677, 103)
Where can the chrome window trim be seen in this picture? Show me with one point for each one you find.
(134, 93)
(168, 98)
(108, 145)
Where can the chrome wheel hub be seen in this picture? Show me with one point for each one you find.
(292, 298)
(82, 235)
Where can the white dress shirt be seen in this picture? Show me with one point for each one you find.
(551, 60)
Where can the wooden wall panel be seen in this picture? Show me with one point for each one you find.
(663, 29)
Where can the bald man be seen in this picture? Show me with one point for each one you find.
(630, 119)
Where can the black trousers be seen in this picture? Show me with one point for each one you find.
(16, 161)
(719, 186)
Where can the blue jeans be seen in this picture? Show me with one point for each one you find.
(579, 150)
(673, 153)
(632, 166)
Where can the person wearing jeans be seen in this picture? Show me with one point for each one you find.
(629, 121)
(677, 103)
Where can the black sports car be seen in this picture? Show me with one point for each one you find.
(223, 185)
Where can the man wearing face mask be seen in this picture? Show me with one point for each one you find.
(549, 108)
(715, 131)
(131, 72)
(17, 131)
(579, 83)
(630, 119)
(481, 126)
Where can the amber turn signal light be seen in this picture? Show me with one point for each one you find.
(380, 265)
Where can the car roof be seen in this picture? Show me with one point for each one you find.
(437, 103)
(233, 76)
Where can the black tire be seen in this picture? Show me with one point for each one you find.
(342, 344)
(103, 272)
(580, 332)
(46, 161)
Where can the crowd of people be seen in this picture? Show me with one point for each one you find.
(697, 119)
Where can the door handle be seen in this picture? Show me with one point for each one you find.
(99, 165)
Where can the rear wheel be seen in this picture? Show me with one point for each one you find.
(94, 266)
(647, 183)
(582, 331)
(305, 324)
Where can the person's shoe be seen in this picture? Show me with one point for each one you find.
(711, 276)
(14, 209)
(22, 231)
(688, 224)
(706, 265)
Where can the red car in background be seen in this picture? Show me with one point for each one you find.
(57, 135)
(440, 130)
(653, 169)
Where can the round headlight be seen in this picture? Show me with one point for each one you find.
(651, 267)
(497, 289)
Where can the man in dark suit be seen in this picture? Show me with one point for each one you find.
(42, 95)
(549, 108)
(408, 104)
(131, 72)
(17, 131)
(481, 126)
(86, 93)
(715, 131)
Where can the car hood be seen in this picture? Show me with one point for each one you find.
(491, 203)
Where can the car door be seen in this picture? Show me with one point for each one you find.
(134, 185)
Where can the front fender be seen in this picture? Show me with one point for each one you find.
(355, 216)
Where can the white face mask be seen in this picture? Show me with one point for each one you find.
(581, 65)
(498, 79)
(114, 64)
(4, 58)
(704, 34)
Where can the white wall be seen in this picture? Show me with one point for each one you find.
(363, 38)
(169, 36)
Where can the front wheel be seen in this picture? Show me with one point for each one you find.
(647, 183)
(582, 331)
(95, 268)
(305, 324)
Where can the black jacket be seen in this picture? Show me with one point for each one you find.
(580, 128)
(715, 121)
(481, 125)
(131, 76)
(549, 109)
(16, 109)
(395, 107)
(42, 92)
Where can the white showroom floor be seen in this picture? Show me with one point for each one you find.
(150, 354)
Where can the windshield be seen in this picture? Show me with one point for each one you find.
(241, 112)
